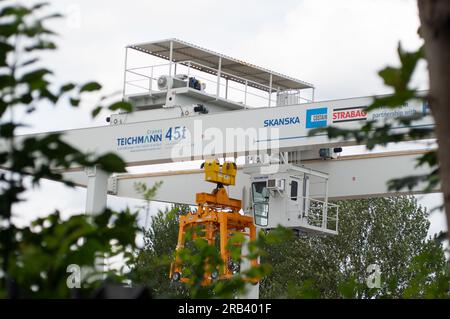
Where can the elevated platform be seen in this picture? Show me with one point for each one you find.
(225, 78)
(156, 99)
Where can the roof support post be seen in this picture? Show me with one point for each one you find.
(245, 96)
(188, 73)
(219, 71)
(170, 57)
(270, 89)
(125, 74)
(325, 208)
(151, 81)
(226, 88)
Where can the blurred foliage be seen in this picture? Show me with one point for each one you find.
(389, 232)
(33, 259)
(379, 133)
(42, 253)
(153, 262)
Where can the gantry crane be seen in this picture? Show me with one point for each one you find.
(217, 218)
(202, 104)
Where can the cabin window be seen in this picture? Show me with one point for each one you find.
(294, 190)
(260, 198)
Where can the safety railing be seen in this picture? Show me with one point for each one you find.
(143, 80)
(320, 214)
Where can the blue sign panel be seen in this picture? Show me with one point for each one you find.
(316, 117)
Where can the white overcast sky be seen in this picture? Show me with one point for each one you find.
(337, 45)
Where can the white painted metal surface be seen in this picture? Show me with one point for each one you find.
(282, 196)
(234, 133)
(97, 187)
(358, 176)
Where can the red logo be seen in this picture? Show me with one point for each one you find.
(348, 114)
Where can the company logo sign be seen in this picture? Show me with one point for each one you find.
(151, 136)
(316, 117)
(282, 121)
(349, 114)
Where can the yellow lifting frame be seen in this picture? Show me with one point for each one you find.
(219, 215)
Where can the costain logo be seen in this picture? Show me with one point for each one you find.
(316, 117)
(349, 114)
(282, 121)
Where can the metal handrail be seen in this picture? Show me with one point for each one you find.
(229, 74)
(323, 218)
(149, 66)
(195, 65)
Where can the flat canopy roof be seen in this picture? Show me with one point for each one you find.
(208, 61)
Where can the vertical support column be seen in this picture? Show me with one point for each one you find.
(96, 195)
(97, 190)
(325, 207)
(226, 88)
(125, 74)
(245, 97)
(277, 103)
(151, 81)
(305, 194)
(270, 89)
(188, 73)
(170, 57)
(219, 71)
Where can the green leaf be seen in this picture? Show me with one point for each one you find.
(96, 111)
(36, 79)
(6, 47)
(41, 45)
(7, 130)
(111, 163)
(6, 80)
(90, 87)
(39, 5)
(125, 106)
(16, 10)
(74, 102)
(66, 88)
(29, 62)
(391, 77)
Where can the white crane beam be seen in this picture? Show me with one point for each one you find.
(235, 133)
(356, 176)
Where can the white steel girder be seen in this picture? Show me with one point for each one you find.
(235, 133)
(356, 176)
